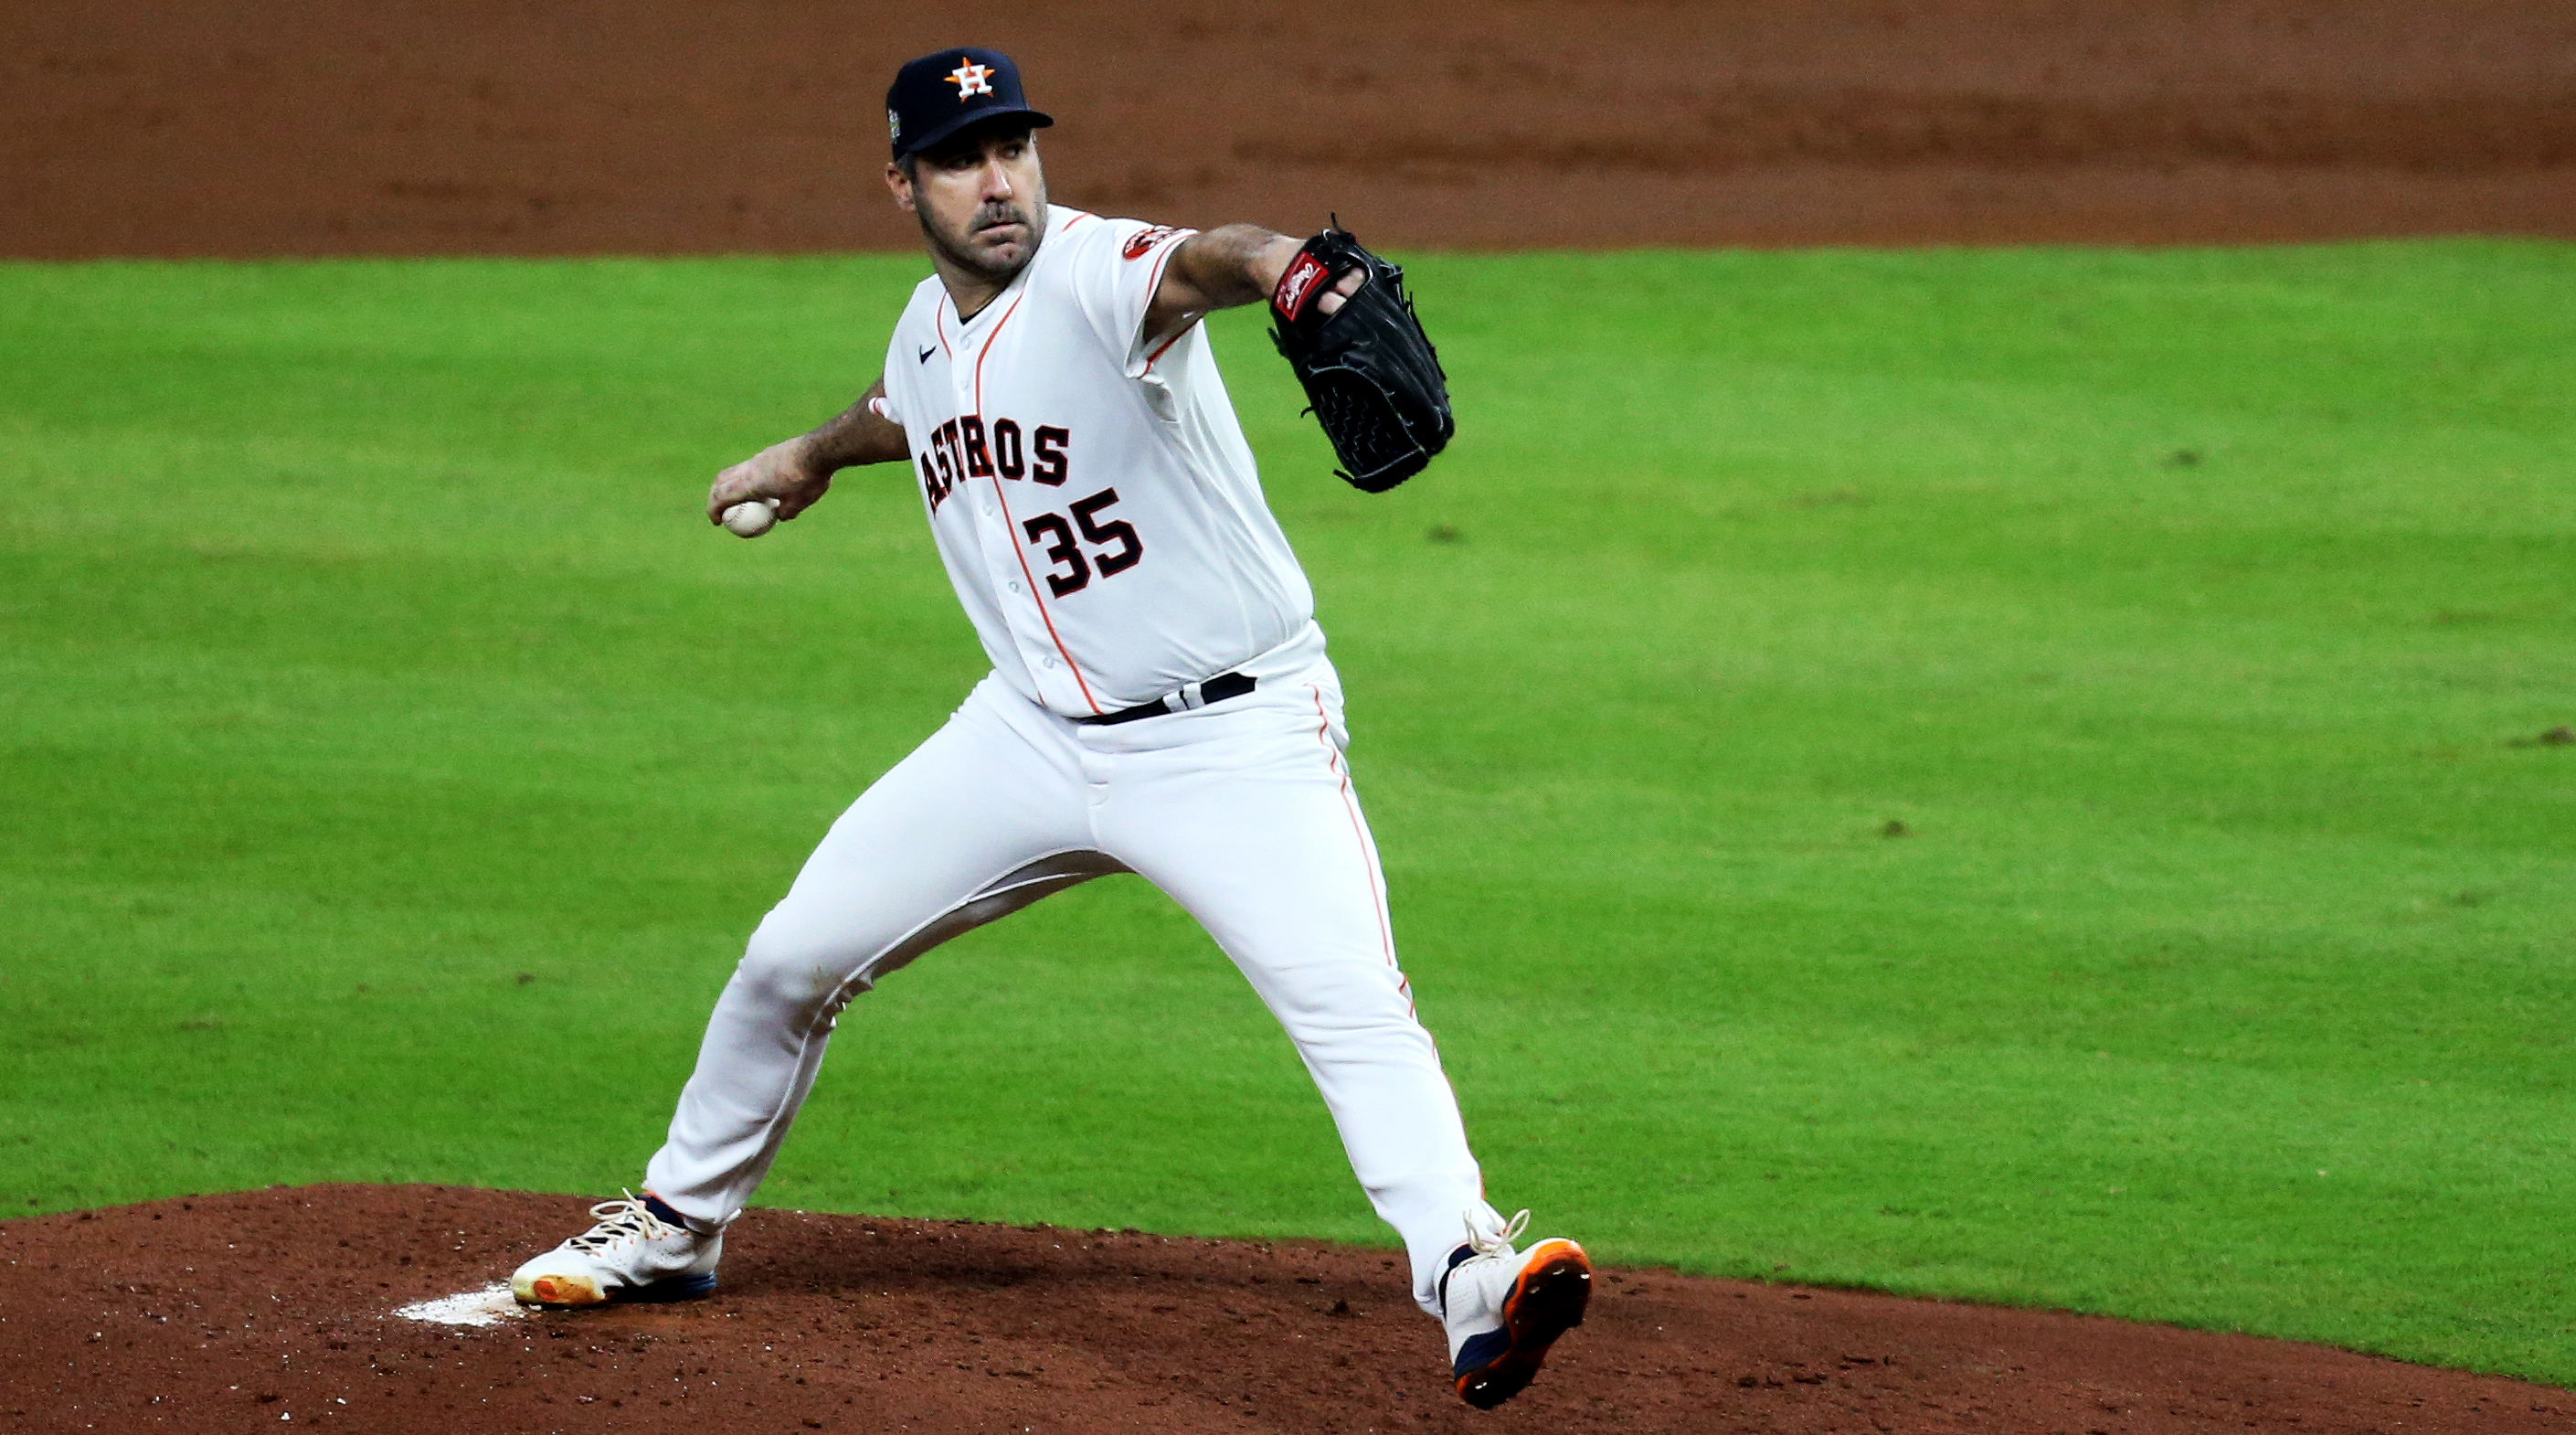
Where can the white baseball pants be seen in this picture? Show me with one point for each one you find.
(1241, 811)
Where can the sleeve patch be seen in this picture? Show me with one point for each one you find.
(1144, 241)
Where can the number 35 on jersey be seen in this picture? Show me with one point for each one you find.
(965, 447)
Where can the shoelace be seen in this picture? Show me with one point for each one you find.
(1487, 1246)
(620, 1220)
(1499, 1244)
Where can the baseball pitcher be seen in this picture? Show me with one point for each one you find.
(1160, 701)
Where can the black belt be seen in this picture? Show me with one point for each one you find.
(1191, 695)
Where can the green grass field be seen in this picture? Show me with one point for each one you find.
(392, 762)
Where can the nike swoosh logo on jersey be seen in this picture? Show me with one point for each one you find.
(926, 353)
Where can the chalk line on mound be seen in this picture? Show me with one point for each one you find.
(488, 1306)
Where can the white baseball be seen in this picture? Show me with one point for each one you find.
(750, 520)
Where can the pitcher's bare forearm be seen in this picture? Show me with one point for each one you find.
(797, 472)
(858, 435)
(1230, 265)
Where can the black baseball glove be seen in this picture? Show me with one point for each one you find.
(1371, 376)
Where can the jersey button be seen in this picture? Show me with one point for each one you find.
(1049, 663)
(1015, 587)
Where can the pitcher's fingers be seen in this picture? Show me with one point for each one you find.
(732, 486)
(1332, 301)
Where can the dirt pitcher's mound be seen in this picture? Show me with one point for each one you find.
(279, 1307)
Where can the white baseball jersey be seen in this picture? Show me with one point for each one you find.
(1093, 497)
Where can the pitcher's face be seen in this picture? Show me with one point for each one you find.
(981, 200)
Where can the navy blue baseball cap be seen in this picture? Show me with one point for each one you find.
(938, 95)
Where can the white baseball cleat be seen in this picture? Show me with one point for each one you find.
(640, 1250)
(1504, 1308)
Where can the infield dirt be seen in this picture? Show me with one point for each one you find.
(278, 1307)
(229, 127)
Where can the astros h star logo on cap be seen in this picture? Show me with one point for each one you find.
(971, 80)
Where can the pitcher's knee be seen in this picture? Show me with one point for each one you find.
(1360, 1037)
(799, 972)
